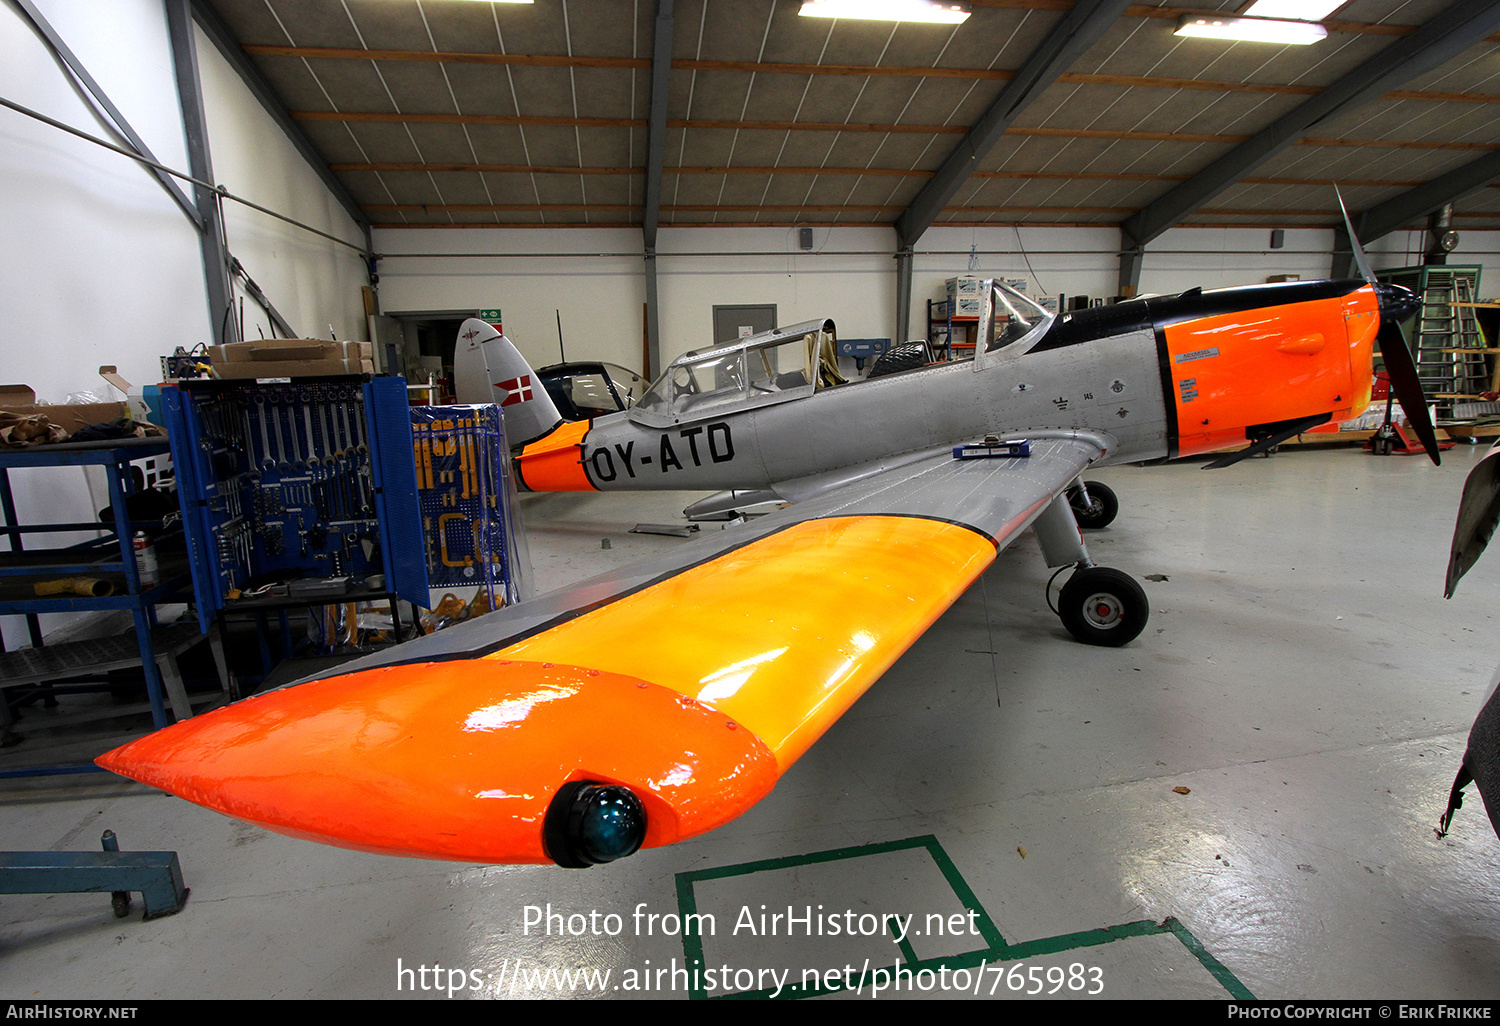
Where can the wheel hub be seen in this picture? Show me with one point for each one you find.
(1103, 610)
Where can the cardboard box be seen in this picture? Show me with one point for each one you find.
(291, 358)
(288, 350)
(21, 399)
(292, 368)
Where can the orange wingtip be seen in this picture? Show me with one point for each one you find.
(455, 760)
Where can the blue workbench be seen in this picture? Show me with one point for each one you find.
(110, 555)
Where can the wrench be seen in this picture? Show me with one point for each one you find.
(331, 441)
(295, 442)
(266, 409)
(266, 463)
(249, 460)
(357, 414)
(312, 460)
(344, 423)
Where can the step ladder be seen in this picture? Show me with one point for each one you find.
(1444, 335)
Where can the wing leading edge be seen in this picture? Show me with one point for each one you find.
(694, 689)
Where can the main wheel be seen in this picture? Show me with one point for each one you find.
(1100, 510)
(1101, 606)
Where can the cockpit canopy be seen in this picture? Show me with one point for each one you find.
(1007, 318)
(759, 370)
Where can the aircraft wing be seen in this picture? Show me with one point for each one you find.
(694, 680)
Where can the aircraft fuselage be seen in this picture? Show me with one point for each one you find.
(1160, 377)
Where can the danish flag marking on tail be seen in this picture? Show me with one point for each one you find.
(518, 390)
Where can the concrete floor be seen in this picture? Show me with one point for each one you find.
(1301, 678)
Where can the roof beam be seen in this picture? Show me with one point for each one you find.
(1133, 11)
(195, 130)
(1397, 211)
(1401, 210)
(837, 70)
(877, 208)
(388, 117)
(1173, 13)
(656, 148)
(351, 53)
(857, 172)
(656, 120)
(1079, 29)
(1454, 30)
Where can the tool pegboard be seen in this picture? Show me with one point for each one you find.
(467, 500)
(301, 487)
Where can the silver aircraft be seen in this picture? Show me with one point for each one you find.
(656, 702)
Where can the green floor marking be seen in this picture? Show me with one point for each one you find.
(997, 951)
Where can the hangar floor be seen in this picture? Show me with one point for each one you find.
(1241, 802)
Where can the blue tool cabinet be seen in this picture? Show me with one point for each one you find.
(301, 485)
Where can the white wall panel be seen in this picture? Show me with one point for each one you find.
(311, 281)
(98, 265)
(595, 277)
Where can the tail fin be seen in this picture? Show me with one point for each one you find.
(487, 368)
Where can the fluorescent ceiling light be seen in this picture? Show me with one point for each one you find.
(887, 10)
(1254, 30)
(1296, 10)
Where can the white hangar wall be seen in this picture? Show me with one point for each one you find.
(98, 265)
(313, 282)
(593, 276)
(596, 276)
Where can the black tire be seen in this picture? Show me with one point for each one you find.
(899, 358)
(1101, 606)
(1101, 509)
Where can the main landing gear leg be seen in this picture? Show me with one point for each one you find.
(1098, 605)
(1094, 503)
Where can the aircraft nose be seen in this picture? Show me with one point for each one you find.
(470, 760)
(1397, 302)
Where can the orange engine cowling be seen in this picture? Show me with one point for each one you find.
(1238, 376)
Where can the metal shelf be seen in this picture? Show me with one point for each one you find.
(112, 555)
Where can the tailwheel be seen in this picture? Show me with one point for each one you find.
(1099, 509)
(1101, 606)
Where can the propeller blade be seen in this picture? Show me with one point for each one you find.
(1359, 251)
(1478, 516)
(1402, 369)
